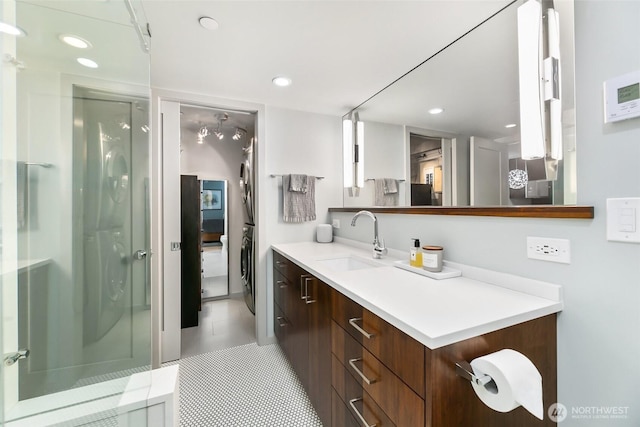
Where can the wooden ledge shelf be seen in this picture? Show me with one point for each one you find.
(538, 211)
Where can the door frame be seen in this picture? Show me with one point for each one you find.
(165, 170)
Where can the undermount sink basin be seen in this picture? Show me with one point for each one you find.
(348, 263)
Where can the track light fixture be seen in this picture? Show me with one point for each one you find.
(202, 134)
(240, 133)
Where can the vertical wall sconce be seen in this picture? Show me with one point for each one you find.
(541, 128)
(530, 80)
(553, 87)
(353, 146)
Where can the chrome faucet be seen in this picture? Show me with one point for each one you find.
(378, 244)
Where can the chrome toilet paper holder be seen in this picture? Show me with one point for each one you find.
(464, 370)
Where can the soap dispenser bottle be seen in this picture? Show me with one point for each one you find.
(415, 259)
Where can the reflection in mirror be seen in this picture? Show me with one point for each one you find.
(449, 132)
(215, 262)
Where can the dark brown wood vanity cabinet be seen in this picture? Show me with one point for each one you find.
(382, 376)
(359, 370)
(451, 400)
(302, 324)
(378, 371)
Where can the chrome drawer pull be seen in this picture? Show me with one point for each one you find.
(353, 323)
(281, 324)
(364, 422)
(306, 290)
(303, 287)
(352, 363)
(281, 284)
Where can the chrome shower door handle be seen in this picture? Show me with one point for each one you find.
(11, 358)
(140, 254)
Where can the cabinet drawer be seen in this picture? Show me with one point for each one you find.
(352, 395)
(403, 406)
(279, 325)
(399, 352)
(279, 287)
(287, 268)
(340, 415)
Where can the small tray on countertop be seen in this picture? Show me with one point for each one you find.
(446, 273)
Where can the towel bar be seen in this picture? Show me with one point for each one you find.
(44, 165)
(274, 175)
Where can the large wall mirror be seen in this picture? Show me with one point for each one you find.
(449, 132)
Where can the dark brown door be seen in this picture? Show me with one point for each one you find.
(191, 273)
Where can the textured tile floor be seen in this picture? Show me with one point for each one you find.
(227, 380)
(243, 386)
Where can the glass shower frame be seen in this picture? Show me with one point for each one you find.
(44, 252)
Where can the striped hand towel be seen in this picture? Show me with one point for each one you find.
(298, 206)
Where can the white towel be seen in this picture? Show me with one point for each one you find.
(390, 186)
(380, 195)
(298, 183)
(298, 206)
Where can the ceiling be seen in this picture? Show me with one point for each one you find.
(338, 53)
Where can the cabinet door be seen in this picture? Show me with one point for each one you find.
(318, 304)
(191, 270)
(296, 312)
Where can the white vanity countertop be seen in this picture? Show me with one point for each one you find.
(435, 312)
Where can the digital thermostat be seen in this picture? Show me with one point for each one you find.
(622, 97)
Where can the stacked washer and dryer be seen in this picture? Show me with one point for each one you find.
(247, 262)
(106, 159)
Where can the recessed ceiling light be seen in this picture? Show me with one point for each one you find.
(87, 62)
(208, 23)
(436, 110)
(510, 125)
(74, 41)
(11, 29)
(281, 81)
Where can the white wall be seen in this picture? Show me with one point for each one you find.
(220, 160)
(599, 329)
(296, 142)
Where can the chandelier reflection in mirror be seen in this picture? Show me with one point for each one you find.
(518, 179)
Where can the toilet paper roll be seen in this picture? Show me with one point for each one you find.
(517, 379)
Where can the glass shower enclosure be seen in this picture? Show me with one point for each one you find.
(75, 139)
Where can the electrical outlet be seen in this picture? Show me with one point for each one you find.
(547, 249)
(335, 223)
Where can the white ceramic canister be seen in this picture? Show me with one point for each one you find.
(324, 233)
(432, 258)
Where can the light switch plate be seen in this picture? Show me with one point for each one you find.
(623, 220)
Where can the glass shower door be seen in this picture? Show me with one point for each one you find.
(74, 186)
